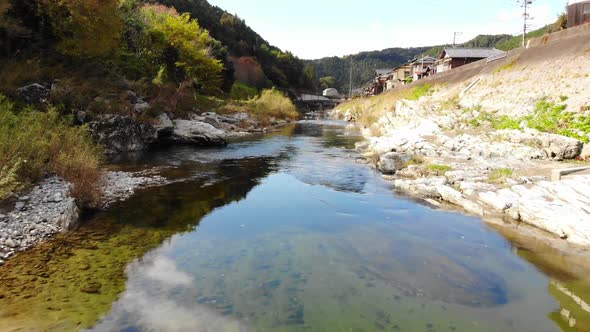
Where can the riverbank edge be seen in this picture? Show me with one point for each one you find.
(439, 192)
(49, 208)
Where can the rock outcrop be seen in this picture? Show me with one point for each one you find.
(197, 133)
(33, 93)
(120, 134)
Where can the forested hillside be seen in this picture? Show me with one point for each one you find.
(248, 50)
(335, 71)
(67, 64)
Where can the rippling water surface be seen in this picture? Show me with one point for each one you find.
(287, 232)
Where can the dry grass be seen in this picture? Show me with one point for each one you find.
(271, 104)
(33, 144)
(367, 111)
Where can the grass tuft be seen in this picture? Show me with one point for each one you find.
(500, 175)
(439, 169)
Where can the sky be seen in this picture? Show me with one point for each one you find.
(314, 29)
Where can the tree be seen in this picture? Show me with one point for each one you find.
(327, 82)
(84, 27)
(182, 46)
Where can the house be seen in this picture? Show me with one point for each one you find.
(423, 67)
(402, 73)
(451, 58)
(578, 12)
(379, 83)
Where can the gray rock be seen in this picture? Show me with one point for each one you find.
(141, 107)
(392, 162)
(19, 206)
(197, 133)
(585, 154)
(165, 126)
(131, 96)
(10, 243)
(81, 117)
(560, 147)
(33, 93)
(121, 134)
(214, 121)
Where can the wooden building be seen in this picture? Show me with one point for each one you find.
(578, 12)
(401, 74)
(423, 67)
(456, 57)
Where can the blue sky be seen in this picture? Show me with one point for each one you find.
(318, 28)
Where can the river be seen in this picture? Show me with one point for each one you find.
(288, 232)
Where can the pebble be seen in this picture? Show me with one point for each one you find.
(41, 213)
(10, 243)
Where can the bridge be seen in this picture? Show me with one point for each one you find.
(313, 102)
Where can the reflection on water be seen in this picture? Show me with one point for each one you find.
(287, 233)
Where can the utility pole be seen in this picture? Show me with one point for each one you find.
(525, 4)
(455, 38)
(350, 92)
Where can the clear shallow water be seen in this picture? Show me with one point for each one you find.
(288, 233)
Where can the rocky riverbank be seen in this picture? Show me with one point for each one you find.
(120, 134)
(482, 149)
(49, 209)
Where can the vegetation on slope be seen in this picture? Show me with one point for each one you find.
(548, 116)
(91, 53)
(281, 69)
(34, 143)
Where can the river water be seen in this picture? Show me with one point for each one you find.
(287, 232)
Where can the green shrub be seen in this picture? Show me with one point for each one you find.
(419, 91)
(439, 169)
(505, 122)
(549, 117)
(33, 144)
(242, 91)
(500, 175)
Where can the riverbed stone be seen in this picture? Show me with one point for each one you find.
(391, 162)
(560, 147)
(197, 133)
(41, 219)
